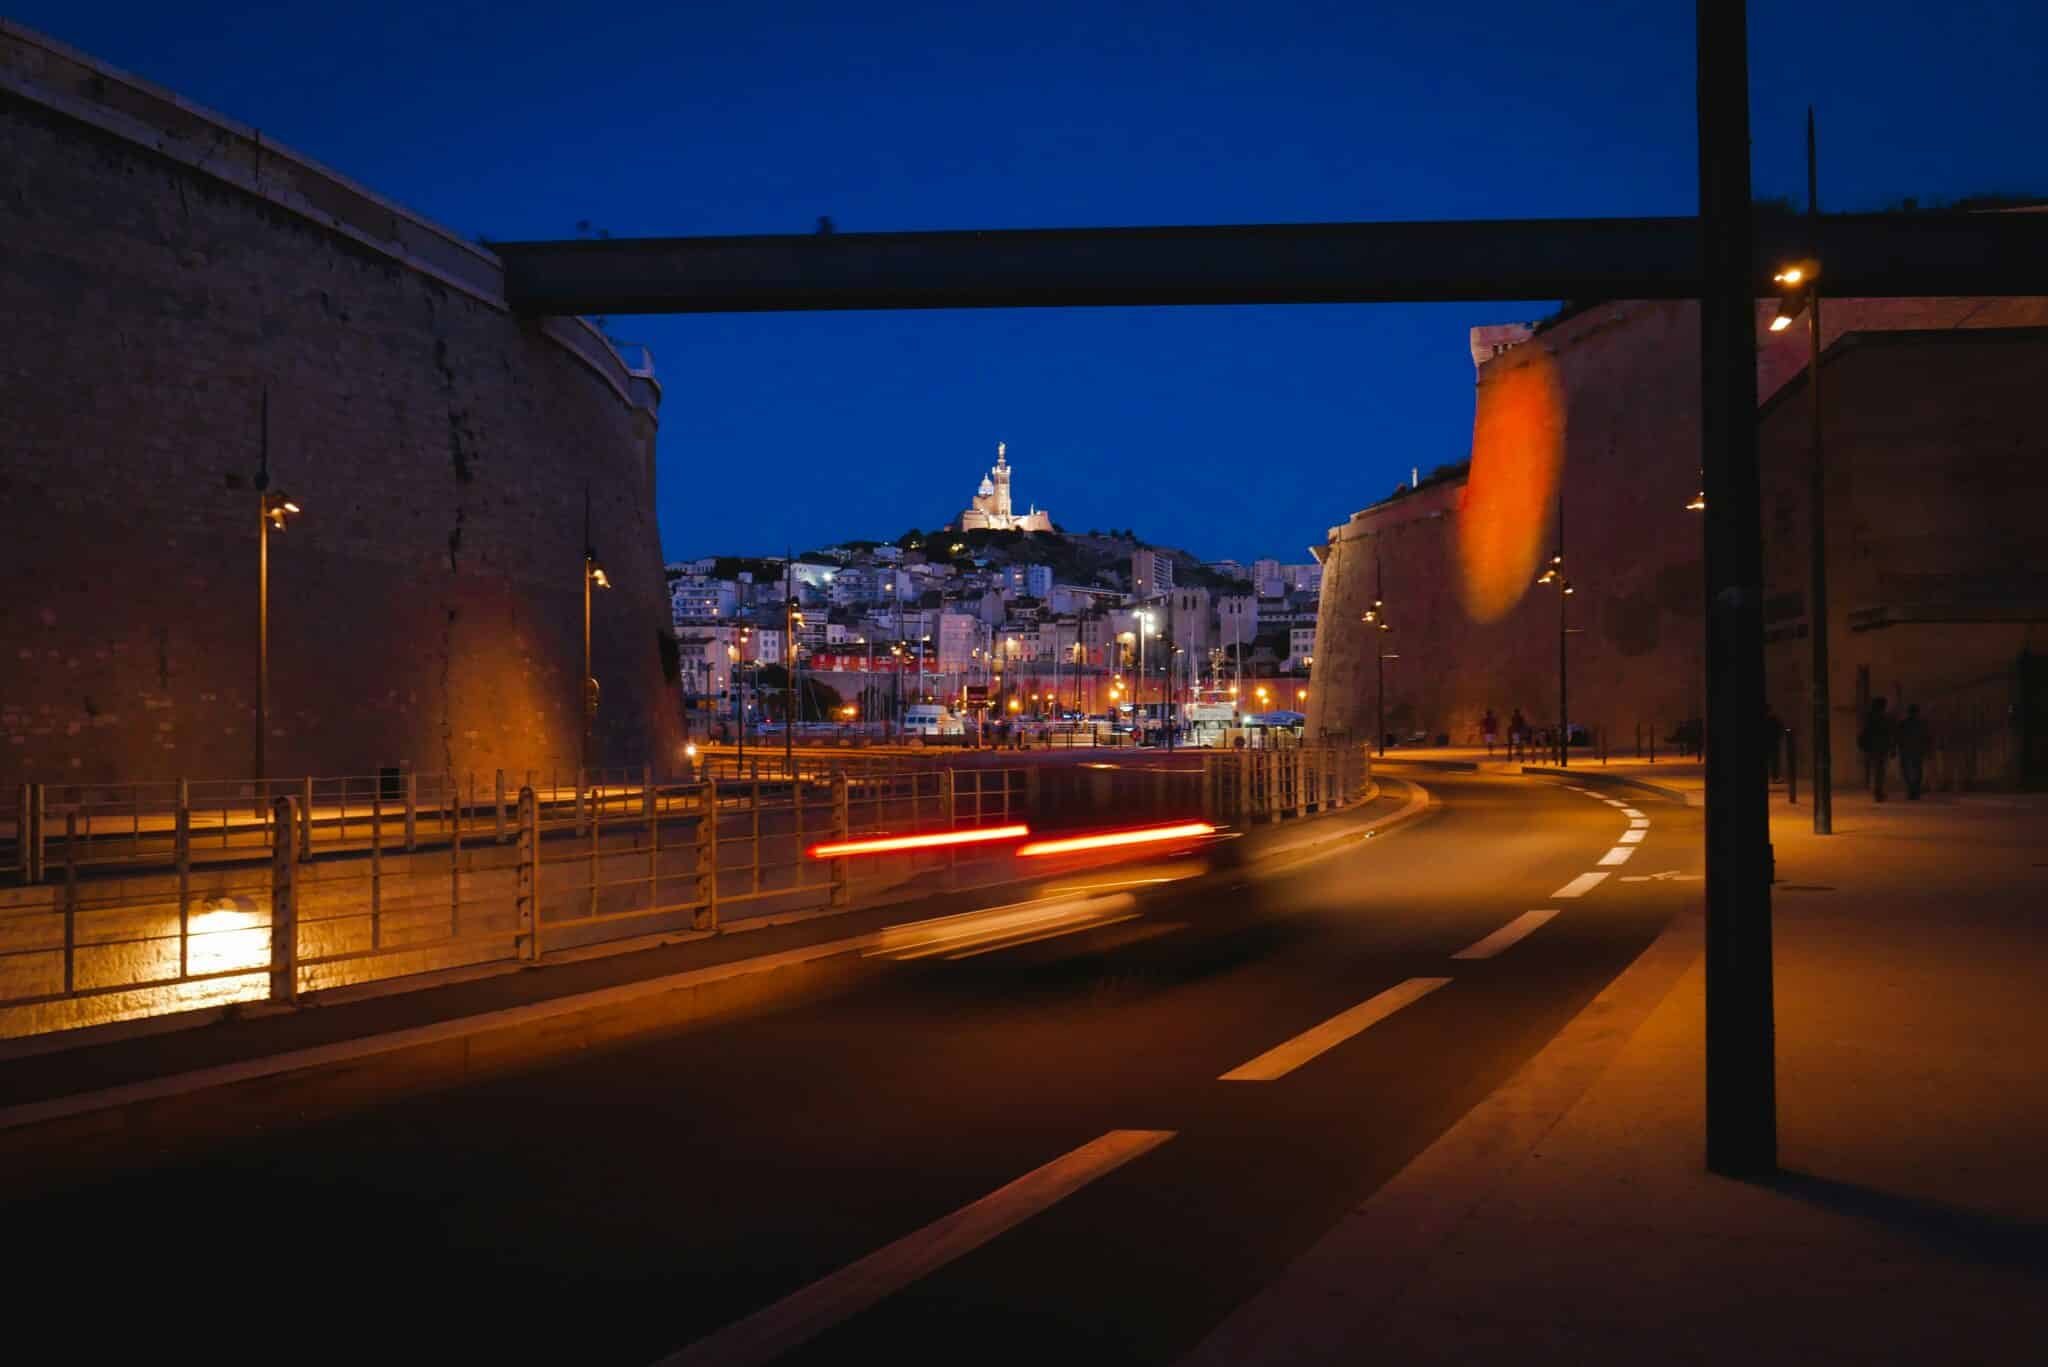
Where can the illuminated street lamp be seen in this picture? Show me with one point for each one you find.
(1553, 573)
(275, 508)
(1800, 283)
(1376, 618)
(593, 573)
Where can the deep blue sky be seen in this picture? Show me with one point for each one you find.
(1231, 431)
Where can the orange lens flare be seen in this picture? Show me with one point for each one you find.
(1518, 432)
(889, 844)
(1113, 839)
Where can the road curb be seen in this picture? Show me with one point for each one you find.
(1682, 796)
(1454, 766)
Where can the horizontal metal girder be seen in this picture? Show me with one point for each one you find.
(1863, 256)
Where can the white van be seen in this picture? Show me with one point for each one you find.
(931, 719)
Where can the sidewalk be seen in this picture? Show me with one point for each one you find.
(1569, 1217)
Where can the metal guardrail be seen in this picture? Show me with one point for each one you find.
(154, 898)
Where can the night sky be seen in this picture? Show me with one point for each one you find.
(1234, 431)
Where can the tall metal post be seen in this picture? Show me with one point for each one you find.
(1379, 654)
(1741, 1072)
(262, 615)
(789, 661)
(583, 749)
(1816, 497)
(1563, 632)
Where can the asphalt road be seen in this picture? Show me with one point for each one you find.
(631, 1203)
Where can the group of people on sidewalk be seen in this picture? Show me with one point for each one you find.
(1519, 734)
(1879, 738)
(1882, 735)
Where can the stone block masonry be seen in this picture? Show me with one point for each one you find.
(167, 267)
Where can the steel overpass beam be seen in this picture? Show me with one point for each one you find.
(1862, 256)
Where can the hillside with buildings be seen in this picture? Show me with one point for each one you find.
(995, 599)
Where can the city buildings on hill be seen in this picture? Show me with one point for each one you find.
(1069, 627)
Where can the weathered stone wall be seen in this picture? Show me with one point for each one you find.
(1937, 472)
(164, 268)
(1628, 374)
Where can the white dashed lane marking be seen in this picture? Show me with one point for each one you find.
(1507, 935)
(803, 1315)
(1618, 855)
(1579, 886)
(1283, 1059)
(1632, 837)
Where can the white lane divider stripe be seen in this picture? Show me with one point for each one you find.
(1638, 822)
(1579, 886)
(1630, 812)
(1618, 855)
(1507, 935)
(796, 1318)
(1632, 837)
(1283, 1059)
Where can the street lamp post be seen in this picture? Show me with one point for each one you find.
(273, 510)
(1376, 618)
(1553, 573)
(593, 573)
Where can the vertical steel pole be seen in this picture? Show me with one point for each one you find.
(284, 911)
(707, 858)
(377, 866)
(262, 622)
(498, 806)
(181, 851)
(1741, 1072)
(70, 901)
(1816, 497)
(412, 810)
(842, 826)
(306, 818)
(529, 875)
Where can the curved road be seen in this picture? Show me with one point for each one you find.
(810, 1168)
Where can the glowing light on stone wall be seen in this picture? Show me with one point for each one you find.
(1517, 459)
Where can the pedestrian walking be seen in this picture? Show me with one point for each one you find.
(1518, 733)
(1875, 741)
(1912, 740)
(1489, 729)
(1774, 741)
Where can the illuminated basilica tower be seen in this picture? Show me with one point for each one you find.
(991, 508)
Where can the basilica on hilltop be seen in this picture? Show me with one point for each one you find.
(991, 509)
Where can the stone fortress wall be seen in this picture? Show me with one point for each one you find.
(163, 269)
(1628, 376)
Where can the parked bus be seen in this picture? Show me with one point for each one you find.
(931, 719)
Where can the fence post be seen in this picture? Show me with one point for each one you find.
(32, 813)
(499, 803)
(305, 818)
(455, 864)
(70, 900)
(377, 866)
(412, 809)
(596, 814)
(842, 826)
(579, 802)
(181, 851)
(284, 911)
(649, 809)
(1791, 766)
(529, 875)
(1653, 742)
(949, 810)
(707, 856)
